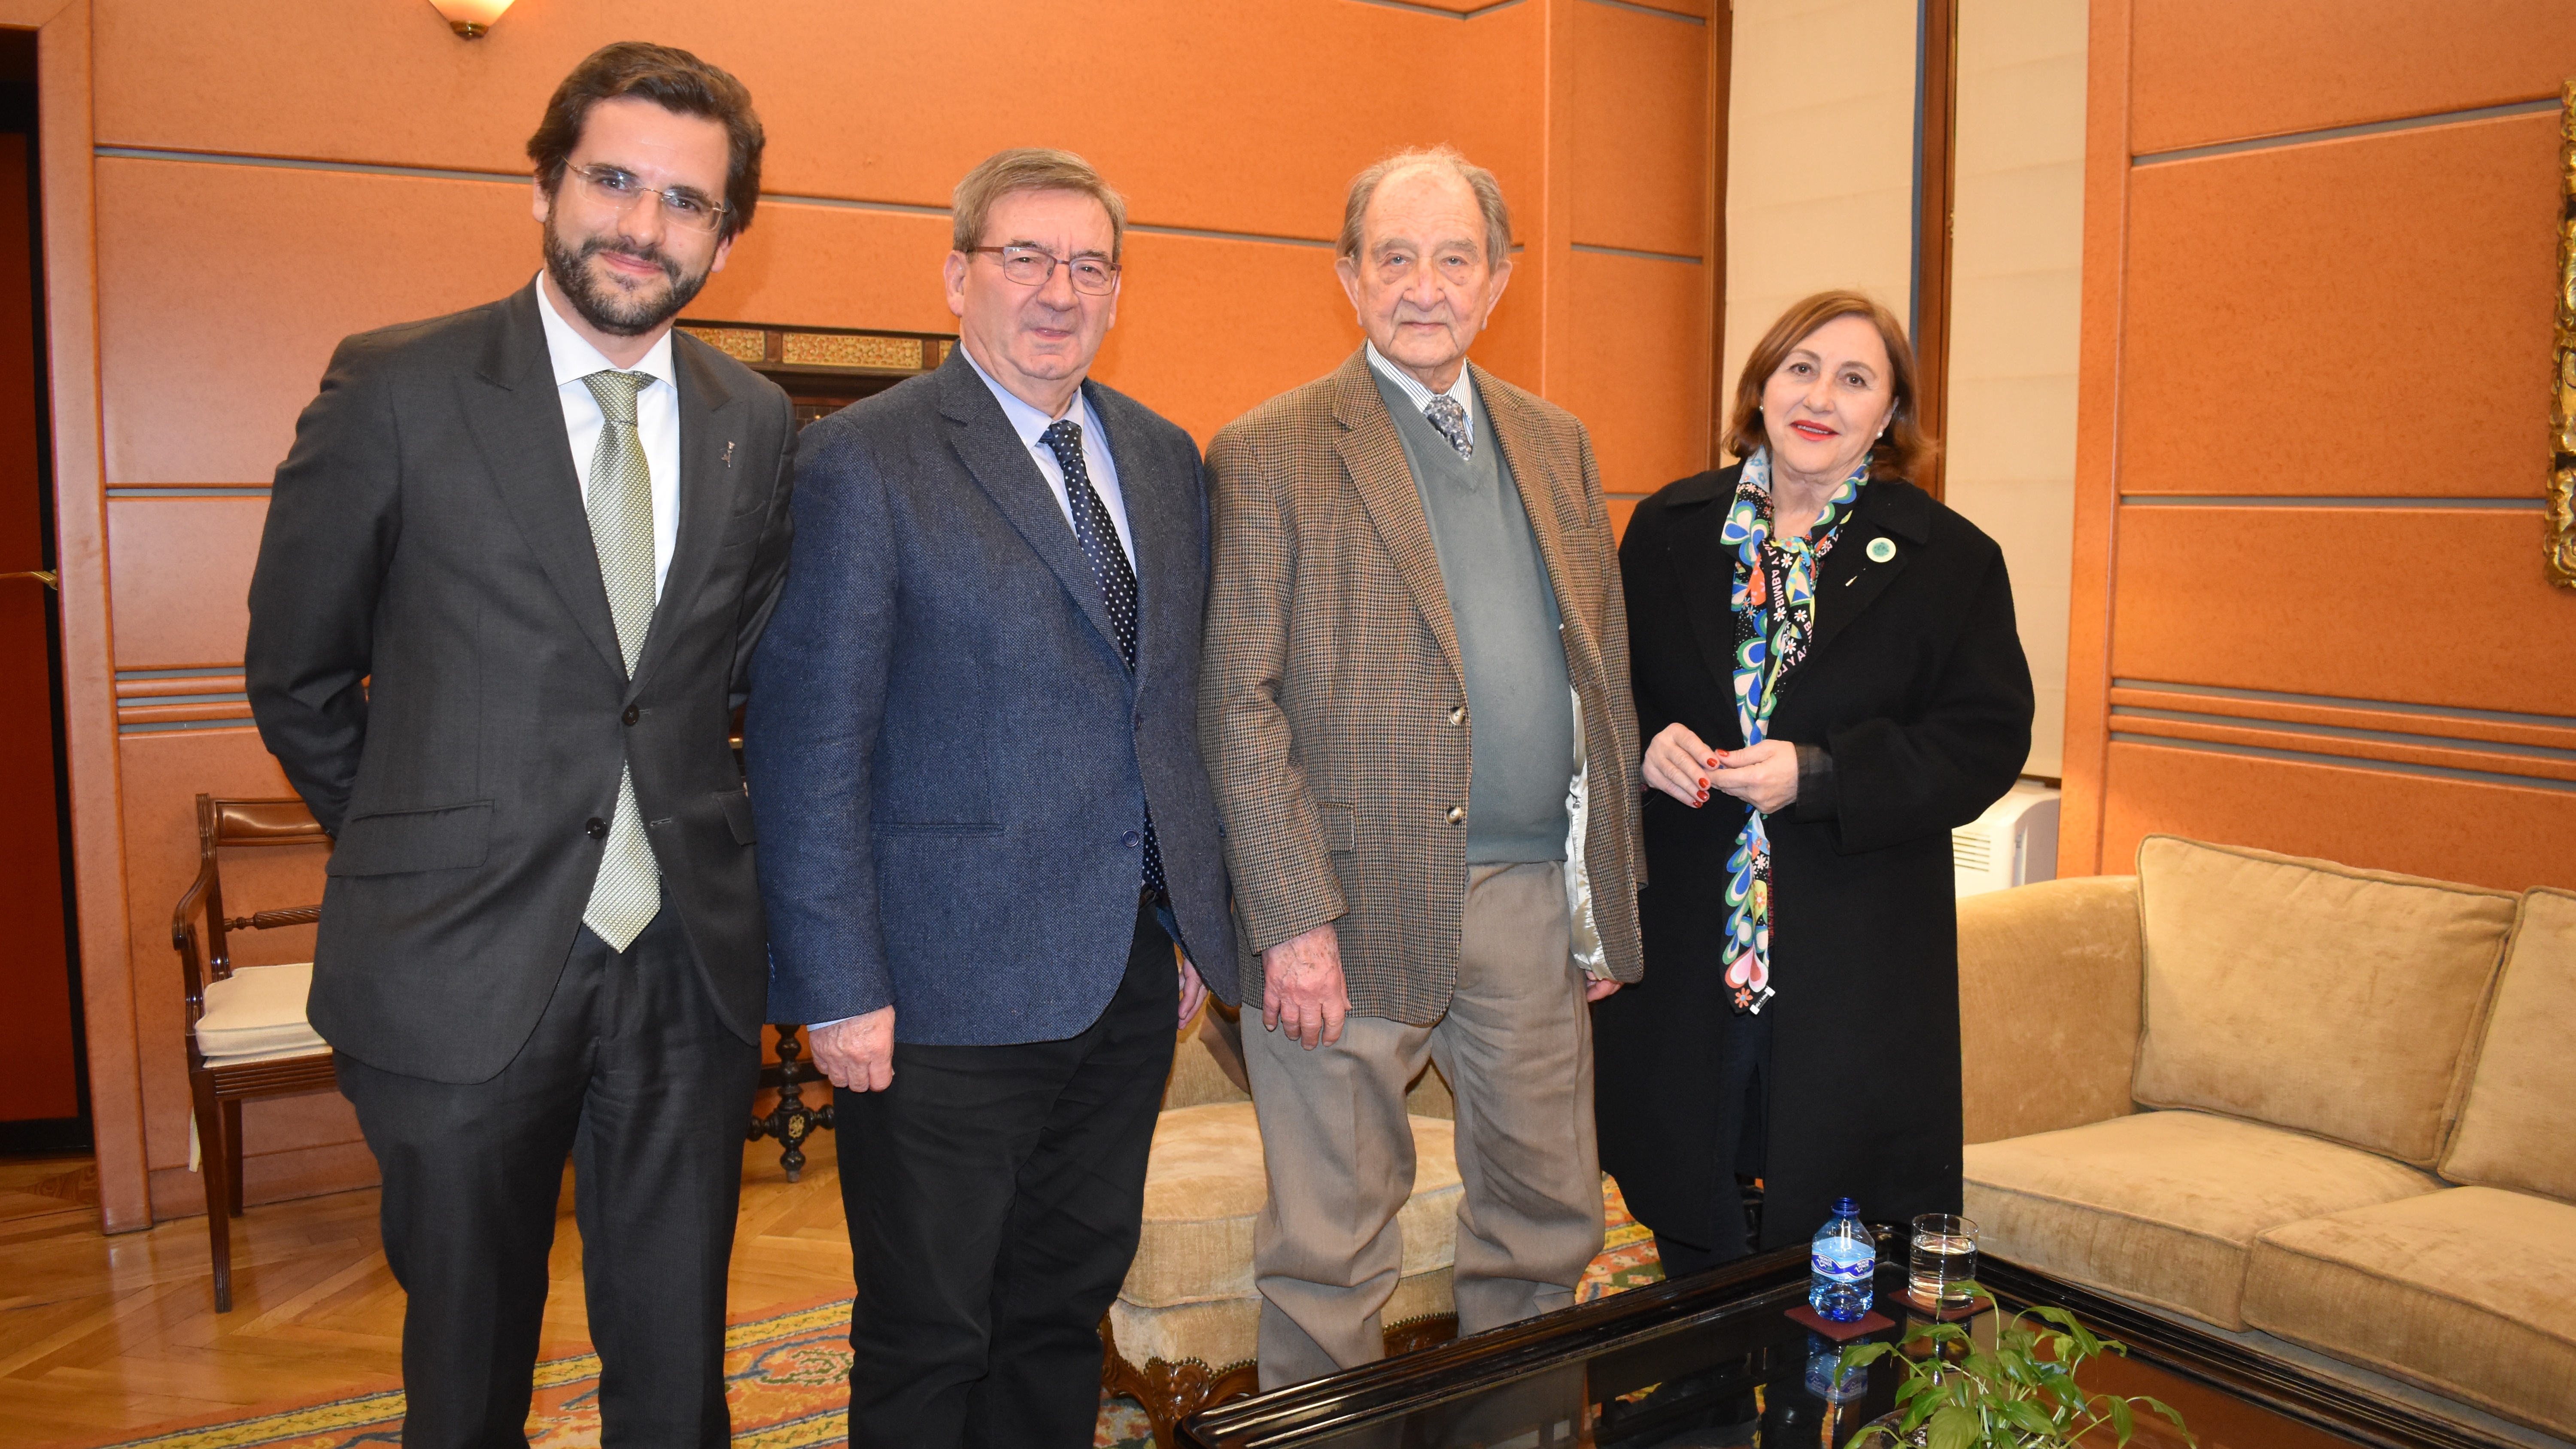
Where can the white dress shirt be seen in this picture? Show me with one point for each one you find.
(1031, 425)
(657, 420)
(1461, 389)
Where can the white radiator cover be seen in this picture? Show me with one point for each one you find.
(2013, 843)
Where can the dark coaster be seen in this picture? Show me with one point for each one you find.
(1870, 1322)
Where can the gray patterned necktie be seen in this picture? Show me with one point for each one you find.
(627, 892)
(1450, 417)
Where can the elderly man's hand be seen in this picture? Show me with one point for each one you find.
(1301, 986)
(1764, 776)
(1194, 992)
(858, 1053)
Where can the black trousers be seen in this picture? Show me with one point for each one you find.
(994, 1195)
(632, 1075)
(1742, 1106)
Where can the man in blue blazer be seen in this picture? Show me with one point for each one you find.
(973, 750)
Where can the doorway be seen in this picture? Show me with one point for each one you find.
(44, 1084)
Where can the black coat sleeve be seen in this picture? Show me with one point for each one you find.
(334, 515)
(1902, 779)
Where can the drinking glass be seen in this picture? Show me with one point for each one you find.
(1944, 1259)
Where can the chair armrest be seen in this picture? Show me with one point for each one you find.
(2048, 1005)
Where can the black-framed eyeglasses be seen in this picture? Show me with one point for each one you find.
(1031, 266)
(621, 191)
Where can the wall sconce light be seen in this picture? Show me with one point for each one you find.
(470, 18)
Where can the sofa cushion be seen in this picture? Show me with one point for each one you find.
(258, 1013)
(2518, 1127)
(2164, 1206)
(2310, 995)
(1227, 1331)
(2469, 1292)
(1204, 1187)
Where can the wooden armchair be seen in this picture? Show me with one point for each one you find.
(247, 1036)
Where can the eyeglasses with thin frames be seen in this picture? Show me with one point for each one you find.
(621, 191)
(1032, 266)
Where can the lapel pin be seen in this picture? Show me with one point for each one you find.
(728, 452)
(1881, 549)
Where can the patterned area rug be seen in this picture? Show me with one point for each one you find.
(787, 1378)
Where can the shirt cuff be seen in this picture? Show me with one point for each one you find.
(836, 1021)
(1819, 792)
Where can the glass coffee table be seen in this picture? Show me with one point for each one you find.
(1678, 1366)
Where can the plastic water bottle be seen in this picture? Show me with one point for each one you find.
(1845, 1259)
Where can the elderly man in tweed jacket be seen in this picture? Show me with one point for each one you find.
(1416, 715)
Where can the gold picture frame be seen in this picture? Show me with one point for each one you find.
(2562, 405)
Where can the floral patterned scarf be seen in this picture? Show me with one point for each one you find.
(1775, 611)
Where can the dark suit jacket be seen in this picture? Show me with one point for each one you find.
(1915, 682)
(432, 659)
(949, 760)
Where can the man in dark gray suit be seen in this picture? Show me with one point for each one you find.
(505, 604)
(973, 752)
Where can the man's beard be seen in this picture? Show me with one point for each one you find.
(603, 305)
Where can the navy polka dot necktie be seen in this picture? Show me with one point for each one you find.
(1098, 535)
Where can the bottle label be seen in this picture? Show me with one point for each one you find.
(1851, 1264)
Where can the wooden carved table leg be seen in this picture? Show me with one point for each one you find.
(791, 1121)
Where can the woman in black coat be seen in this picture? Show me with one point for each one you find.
(1829, 679)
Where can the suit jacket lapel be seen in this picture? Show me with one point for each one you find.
(520, 428)
(1851, 580)
(710, 418)
(1707, 569)
(1160, 522)
(991, 450)
(1374, 456)
(1545, 491)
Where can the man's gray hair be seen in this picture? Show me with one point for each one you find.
(1029, 168)
(1443, 157)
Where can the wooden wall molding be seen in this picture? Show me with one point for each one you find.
(1936, 186)
(2561, 551)
(63, 90)
(2085, 759)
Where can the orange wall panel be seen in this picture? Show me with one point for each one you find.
(1639, 354)
(2219, 70)
(2504, 836)
(223, 289)
(2423, 606)
(2350, 317)
(1641, 131)
(869, 99)
(179, 578)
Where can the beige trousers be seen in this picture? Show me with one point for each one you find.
(1516, 1049)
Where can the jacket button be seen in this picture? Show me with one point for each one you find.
(1457, 813)
(1131, 840)
(631, 715)
(1458, 714)
(596, 828)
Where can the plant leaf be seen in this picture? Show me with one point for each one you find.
(2021, 1415)
(2123, 1422)
(2161, 1407)
(1953, 1427)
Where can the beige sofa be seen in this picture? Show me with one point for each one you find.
(2336, 1106)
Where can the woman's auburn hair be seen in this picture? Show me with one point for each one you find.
(1905, 451)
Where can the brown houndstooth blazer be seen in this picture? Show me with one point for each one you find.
(1331, 703)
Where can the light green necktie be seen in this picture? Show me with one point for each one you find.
(627, 893)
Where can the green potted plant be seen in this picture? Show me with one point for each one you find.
(2021, 1394)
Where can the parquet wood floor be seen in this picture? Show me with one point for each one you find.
(103, 1336)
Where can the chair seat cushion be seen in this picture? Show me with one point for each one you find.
(258, 1013)
(2165, 1206)
(1204, 1189)
(2470, 1292)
